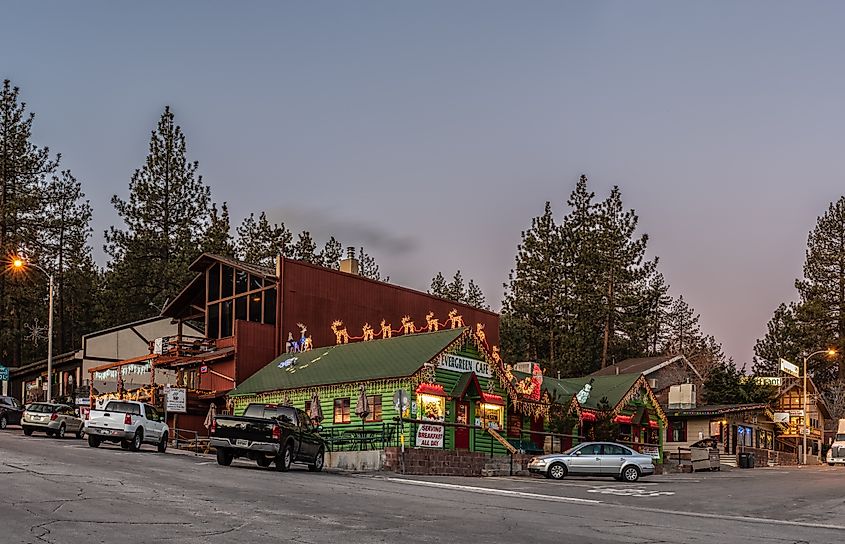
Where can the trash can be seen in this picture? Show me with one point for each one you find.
(751, 460)
(743, 460)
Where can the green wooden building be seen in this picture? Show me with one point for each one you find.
(455, 396)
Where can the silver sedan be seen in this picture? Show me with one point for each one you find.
(594, 459)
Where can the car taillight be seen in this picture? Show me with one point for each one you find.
(127, 419)
(87, 415)
(54, 416)
(277, 432)
(213, 426)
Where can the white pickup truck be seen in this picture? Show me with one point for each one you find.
(129, 422)
(836, 453)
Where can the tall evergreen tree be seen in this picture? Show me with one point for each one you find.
(259, 242)
(474, 296)
(369, 267)
(438, 286)
(165, 217)
(822, 289)
(305, 249)
(331, 254)
(25, 169)
(783, 340)
(218, 238)
(456, 290)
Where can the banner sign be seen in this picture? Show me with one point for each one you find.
(457, 363)
(789, 368)
(176, 399)
(430, 436)
(768, 380)
(4, 373)
(781, 417)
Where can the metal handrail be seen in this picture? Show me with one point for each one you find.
(175, 439)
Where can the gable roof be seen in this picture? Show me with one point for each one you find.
(644, 365)
(397, 357)
(798, 383)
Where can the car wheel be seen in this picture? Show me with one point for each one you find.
(27, 431)
(830, 464)
(49, 433)
(80, 433)
(319, 460)
(630, 474)
(224, 458)
(137, 440)
(3, 422)
(61, 432)
(124, 444)
(162, 444)
(556, 472)
(264, 462)
(284, 461)
(93, 441)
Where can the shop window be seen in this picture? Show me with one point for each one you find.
(677, 431)
(254, 282)
(240, 308)
(375, 408)
(241, 281)
(270, 306)
(212, 330)
(228, 281)
(431, 407)
(226, 319)
(492, 415)
(255, 307)
(341, 410)
(214, 282)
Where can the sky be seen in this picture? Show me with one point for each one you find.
(432, 132)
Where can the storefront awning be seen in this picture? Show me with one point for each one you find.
(490, 398)
(431, 389)
(588, 416)
(623, 419)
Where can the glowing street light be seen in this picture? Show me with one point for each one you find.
(18, 263)
(830, 352)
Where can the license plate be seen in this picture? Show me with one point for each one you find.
(242, 443)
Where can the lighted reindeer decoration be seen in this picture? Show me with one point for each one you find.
(433, 324)
(455, 320)
(368, 332)
(479, 333)
(340, 333)
(386, 330)
(407, 325)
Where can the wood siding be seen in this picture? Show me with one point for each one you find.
(253, 348)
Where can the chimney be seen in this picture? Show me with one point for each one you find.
(350, 264)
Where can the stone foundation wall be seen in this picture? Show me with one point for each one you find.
(432, 462)
(764, 458)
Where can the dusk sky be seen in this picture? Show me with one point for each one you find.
(432, 132)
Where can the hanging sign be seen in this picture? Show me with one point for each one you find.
(774, 381)
(457, 363)
(781, 417)
(430, 436)
(176, 399)
(203, 369)
(789, 368)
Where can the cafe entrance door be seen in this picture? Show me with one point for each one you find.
(462, 433)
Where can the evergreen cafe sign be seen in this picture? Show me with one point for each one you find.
(456, 363)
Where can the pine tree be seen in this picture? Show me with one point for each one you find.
(369, 267)
(438, 286)
(474, 296)
(783, 340)
(305, 249)
(531, 324)
(218, 238)
(165, 218)
(331, 254)
(25, 170)
(822, 289)
(259, 242)
(456, 290)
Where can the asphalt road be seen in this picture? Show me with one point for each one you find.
(62, 491)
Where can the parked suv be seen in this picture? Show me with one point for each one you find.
(53, 419)
(594, 459)
(128, 422)
(10, 412)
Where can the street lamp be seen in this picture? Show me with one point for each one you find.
(830, 353)
(18, 263)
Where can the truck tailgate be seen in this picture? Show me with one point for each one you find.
(250, 429)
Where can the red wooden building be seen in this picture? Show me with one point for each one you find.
(251, 314)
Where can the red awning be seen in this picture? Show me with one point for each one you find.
(431, 389)
(653, 424)
(588, 416)
(490, 398)
(622, 419)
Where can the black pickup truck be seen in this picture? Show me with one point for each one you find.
(267, 434)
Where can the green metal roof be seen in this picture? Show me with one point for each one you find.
(613, 387)
(398, 357)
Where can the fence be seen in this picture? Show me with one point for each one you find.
(368, 437)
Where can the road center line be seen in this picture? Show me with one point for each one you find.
(490, 491)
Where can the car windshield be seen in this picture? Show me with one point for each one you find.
(41, 408)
